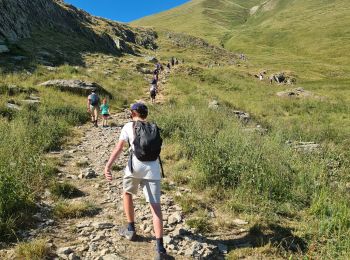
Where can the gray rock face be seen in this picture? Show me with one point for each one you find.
(19, 18)
(3, 48)
(76, 86)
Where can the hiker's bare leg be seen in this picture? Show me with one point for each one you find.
(96, 114)
(92, 114)
(157, 219)
(129, 207)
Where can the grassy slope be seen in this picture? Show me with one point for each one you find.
(311, 199)
(207, 19)
(223, 162)
(28, 134)
(298, 35)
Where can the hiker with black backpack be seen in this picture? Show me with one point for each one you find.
(143, 169)
(93, 106)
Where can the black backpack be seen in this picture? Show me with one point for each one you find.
(147, 143)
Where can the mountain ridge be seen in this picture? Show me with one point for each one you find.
(31, 25)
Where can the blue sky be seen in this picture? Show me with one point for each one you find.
(125, 10)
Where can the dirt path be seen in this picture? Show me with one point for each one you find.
(95, 235)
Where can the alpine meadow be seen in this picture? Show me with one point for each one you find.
(253, 105)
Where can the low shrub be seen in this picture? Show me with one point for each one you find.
(64, 209)
(65, 190)
(33, 250)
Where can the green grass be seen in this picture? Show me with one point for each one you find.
(28, 134)
(259, 176)
(65, 190)
(298, 35)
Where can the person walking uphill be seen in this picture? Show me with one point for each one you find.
(105, 112)
(143, 169)
(93, 106)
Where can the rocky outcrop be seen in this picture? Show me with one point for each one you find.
(43, 22)
(76, 86)
(283, 78)
(217, 54)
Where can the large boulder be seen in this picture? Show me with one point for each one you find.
(76, 86)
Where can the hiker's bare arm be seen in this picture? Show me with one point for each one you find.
(115, 154)
(88, 104)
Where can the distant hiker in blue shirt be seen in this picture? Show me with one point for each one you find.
(93, 106)
(105, 112)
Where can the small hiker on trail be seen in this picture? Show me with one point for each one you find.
(153, 89)
(159, 66)
(143, 169)
(172, 61)
(156, 74)
(93, 106)
(105, 112)
(168, 66)
(153, 92)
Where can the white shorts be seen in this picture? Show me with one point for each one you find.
(151, 188)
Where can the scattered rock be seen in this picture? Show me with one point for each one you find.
(88, 174)
(111, 257)
(73, 256)
(295, 93)
(213, 104)
(307, 147)
(102, 225)
(283, 78)
(239, 222)
(223, 248)
(50, 68)
(151, 59)
(245, 117)
(174, 218)
(64, 251)
(13, 106)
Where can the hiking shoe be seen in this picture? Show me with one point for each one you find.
(129, 235)
(161, 255)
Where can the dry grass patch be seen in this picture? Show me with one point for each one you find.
(33, 250)
(65, 209)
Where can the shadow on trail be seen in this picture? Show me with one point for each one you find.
(258, 236)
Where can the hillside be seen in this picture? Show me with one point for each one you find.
(256, 146)
(295, 34)
(51, 32)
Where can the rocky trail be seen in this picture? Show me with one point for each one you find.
(94, 235)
